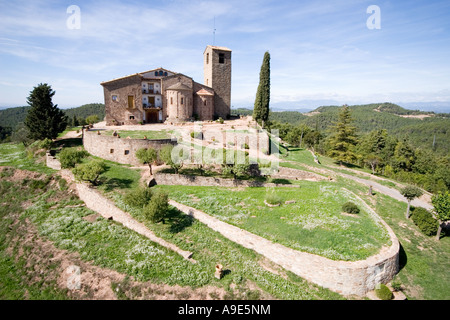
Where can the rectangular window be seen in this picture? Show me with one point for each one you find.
(114, 98)
(171, 100)
(130, 102)
(182, 100)
(207, 58)
(127, 152)
(221, 57)
(111, 151)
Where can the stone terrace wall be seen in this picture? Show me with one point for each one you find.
(345, 277)
(186, 180)
(118, 149)
(52, 162)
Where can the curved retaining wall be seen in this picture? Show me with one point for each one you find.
(348, 278)
(345, 277)
(118, 149)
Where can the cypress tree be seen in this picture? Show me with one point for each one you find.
(261, 107)
(44, 120)
(343, 138)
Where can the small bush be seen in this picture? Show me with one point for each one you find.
(197, 135)
(425, 221)
(139, 197)
(158, 208)
(350, 207)
(69, 157)
(383, 292)
(220, 120)
(272, 198)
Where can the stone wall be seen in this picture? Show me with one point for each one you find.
(117, 112)
(218, 76)
(186, 180)
(52, 162)
(347, 278)
(118, 149)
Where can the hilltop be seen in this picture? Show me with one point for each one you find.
(11, 117)
(419, 127)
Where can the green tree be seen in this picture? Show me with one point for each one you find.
(165, 153)
(90, 171)
(343, 138)
(74, 121)
(404, 156)
(92, 119)
(147, 156)
(69, 157)
(441, 203)
(158, 207)
(262, 101)
(138, 197)
(410, 193)
(44, 119)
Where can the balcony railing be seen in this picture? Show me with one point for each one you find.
(150, 106)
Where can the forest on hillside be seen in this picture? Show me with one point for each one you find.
(408, 149)
(11, 119)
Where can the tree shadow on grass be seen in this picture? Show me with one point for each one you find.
(178, 220)
(115, 183)
(68, 143)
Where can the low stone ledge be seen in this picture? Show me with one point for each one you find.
(188, 180)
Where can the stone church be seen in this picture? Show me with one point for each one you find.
(160, 95)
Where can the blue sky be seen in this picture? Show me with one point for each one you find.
(322, 52)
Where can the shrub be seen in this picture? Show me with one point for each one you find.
(158, 208)
(89, 171)
(383, 292)
(220, 120)
(350, 207)
(425, 221)
(138, 197)
(69, 157)
(197, 135)
(272, 197)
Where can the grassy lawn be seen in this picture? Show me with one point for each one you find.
(424, 261)
(313, 223)
(140, 134)
(16, 155)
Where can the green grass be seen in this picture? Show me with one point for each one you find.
(15, 155)
(140, 134)
(108, 244)
(313, 224)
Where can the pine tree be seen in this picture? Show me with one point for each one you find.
(44, 120)
(261, 107)
(343, 138)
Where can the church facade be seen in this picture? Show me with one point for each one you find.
(161, 95)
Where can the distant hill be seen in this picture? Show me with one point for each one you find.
(419, 127)
(11, 117)
(87, 110)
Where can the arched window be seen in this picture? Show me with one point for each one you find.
(161, 72)
(165, 74)
(156, 73)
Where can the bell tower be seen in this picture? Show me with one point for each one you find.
(217, 73)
